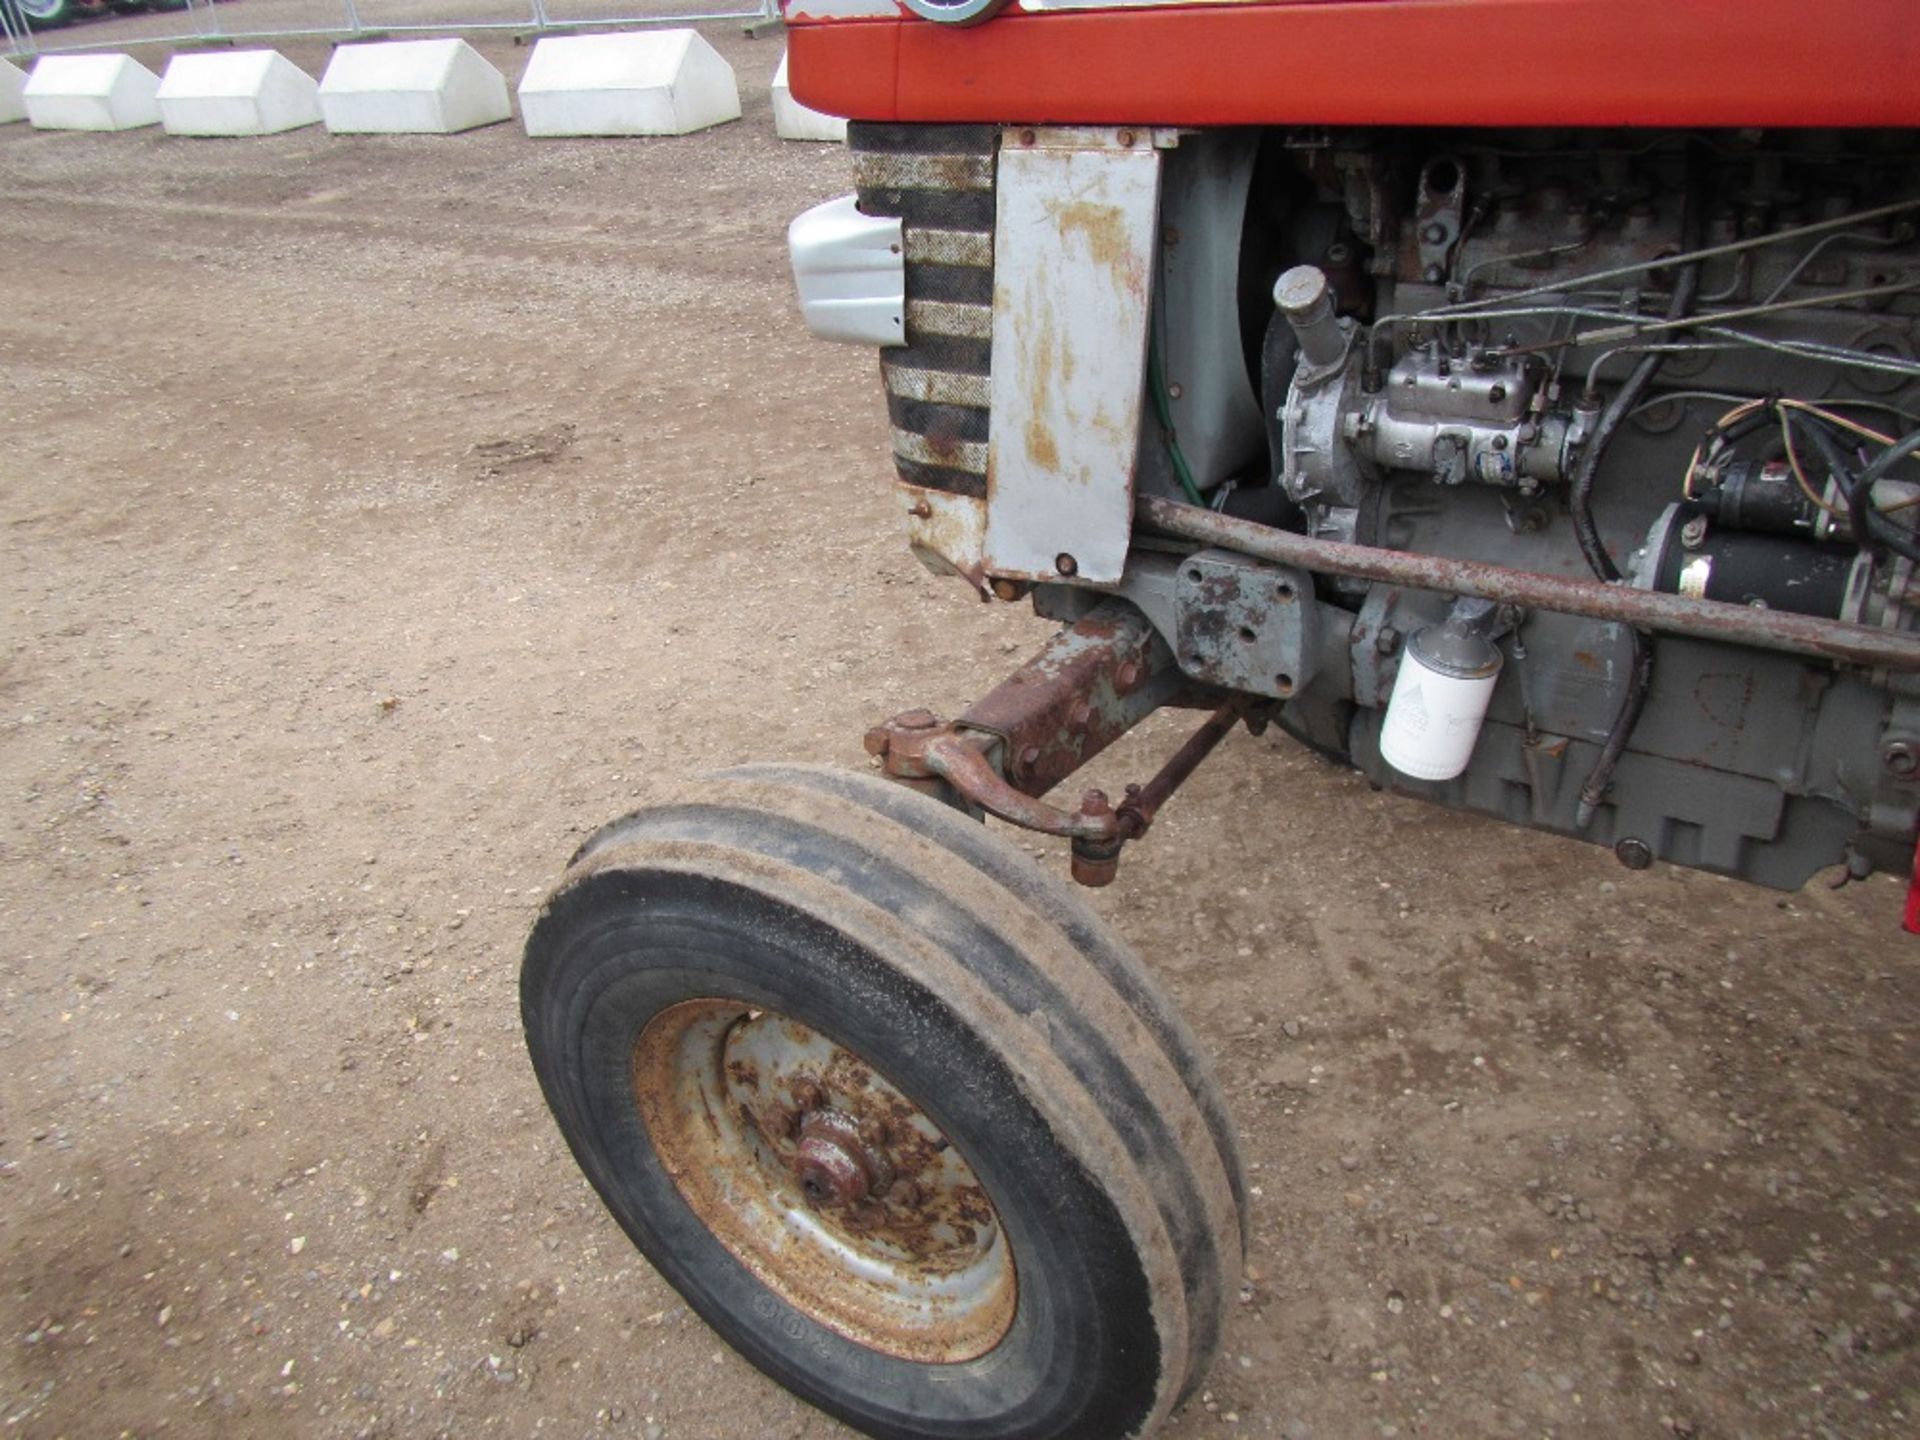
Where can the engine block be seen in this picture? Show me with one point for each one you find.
(1658, 359)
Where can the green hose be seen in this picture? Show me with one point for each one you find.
(1164, 409)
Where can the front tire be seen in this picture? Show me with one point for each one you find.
(889, 1109)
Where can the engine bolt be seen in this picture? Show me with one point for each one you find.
(1901, 758)
(1066, 564)
(916, 720)
(1127, 679)
(1634, 854)
(1694, 532)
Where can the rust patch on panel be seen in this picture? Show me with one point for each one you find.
(946, 532)
(1724, 700)
(1103, 226)
(1040, 447)
(1108, 239)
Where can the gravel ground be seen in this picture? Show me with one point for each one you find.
(379, 515)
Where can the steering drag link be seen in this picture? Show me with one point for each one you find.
(1089, 685)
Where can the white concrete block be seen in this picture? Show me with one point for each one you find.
(241, 92)
(794, 121)
(663, 82)
(411, 87)
(92, 92)
(13, 102)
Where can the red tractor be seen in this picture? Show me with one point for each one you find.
(1515, 400)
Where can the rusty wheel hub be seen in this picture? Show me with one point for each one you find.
(834, 1163)
(824, 1180)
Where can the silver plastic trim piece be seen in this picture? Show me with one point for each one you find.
(851, 273)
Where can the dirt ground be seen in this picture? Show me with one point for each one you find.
(378, 515)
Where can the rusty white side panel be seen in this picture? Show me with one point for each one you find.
(945, 532)
(1073, 263)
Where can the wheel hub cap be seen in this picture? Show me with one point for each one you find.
(840, 1194)
(833, 1163)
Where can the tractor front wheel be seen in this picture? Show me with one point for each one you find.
(890, 1109)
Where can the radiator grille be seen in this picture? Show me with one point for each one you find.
(938, 179)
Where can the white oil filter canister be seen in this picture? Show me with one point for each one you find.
(1440, 696)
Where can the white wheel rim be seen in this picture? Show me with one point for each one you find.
(825, 1181)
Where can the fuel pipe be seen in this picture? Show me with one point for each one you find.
(1809, 635)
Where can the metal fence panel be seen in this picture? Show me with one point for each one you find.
(197, 22)
(47, 26)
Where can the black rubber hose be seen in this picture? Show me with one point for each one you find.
(1639, 685)
(1580, 499)
(1872, 531)
(1580, 494)
(1897, 538)
(1891, 456)
(1836, 460)
(1587, 531)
